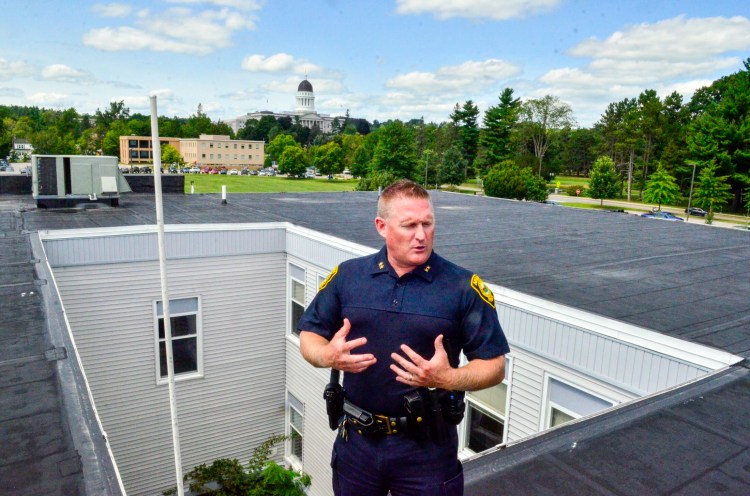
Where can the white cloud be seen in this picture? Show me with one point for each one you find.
(12, 70)
(476, 9)
(49, 99)
(112, 9)
(178, 29)
(677, 39)
(471, 75)
(237, 4)
(62, 72)
(280, 62)
(676, 54)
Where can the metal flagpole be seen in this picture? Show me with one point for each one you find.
(156, 147)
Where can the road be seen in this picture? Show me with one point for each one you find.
(639, 208)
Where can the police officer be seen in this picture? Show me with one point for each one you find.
(395, 322)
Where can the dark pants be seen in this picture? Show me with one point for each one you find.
(366, 467)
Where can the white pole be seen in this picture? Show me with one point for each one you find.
(223, 194)
(690, 198)
(156, 147)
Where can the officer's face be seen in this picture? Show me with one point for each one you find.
(408, 229)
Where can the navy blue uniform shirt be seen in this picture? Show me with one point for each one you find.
(435, 298)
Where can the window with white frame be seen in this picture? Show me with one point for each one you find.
(185, 330)
(296, 412)
(566, 402)
(297, 294)
(484, 425)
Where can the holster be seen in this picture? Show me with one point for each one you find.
(416, 416)
(334, 396)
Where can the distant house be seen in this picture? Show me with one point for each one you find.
(22, 149)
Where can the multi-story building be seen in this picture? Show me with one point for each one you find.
(208, 149)
(136, 150)
(220, 151)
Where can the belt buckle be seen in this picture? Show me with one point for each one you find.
(386, 422)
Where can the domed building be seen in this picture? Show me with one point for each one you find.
(304, 111)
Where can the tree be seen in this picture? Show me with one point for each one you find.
(452, 167)
(261, 477)
(276, 147)
(465, 120)
(395, 152)
(293, 161)
(713, 191)
(603, 180)
(170, 155)
(541, 117)
(661, 188)
(329, 158)
(111, 141)
(428, 165)
(508, 180)
(720, 134)
(495, 139)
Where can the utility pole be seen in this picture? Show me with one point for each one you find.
(690, 197)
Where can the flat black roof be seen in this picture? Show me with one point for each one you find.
(688, 281)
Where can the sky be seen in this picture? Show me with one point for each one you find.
(380, 60)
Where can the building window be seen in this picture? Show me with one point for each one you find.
(133, 153)
(184, 317)
(133, 143)
(212, 156)
(484, 425)
(210, 145)
(296, 411)
(144, 154)
(566, 402)
(203, 155)
(235, 146)
(257, 146)
(144, 144)
(297, 294)
(243, 147)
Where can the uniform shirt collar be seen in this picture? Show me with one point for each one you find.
(381, 265)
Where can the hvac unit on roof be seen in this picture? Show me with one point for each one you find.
(70, 180)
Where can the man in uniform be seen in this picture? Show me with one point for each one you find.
(395, 323)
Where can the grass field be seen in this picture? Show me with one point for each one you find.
(205, 183)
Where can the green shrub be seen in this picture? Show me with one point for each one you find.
(375, 180)
(571, 190)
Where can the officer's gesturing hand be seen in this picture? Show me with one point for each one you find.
(336, 353)
(419, 372)
(437, 371)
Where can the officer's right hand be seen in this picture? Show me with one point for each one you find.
(340, 355)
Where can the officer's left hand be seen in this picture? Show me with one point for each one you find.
(419, 372)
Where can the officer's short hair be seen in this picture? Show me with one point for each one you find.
(403, 188)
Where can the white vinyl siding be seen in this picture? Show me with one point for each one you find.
(236, 405)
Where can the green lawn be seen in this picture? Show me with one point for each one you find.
(205, 183)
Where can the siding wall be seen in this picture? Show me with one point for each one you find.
(626, 365)
(237, 404)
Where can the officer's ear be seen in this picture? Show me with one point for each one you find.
(381, 226)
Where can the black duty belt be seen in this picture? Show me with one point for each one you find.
(374, 425)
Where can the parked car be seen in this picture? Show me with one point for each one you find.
(696, 211)
(662, 216)
(195, 170)
(254, 173)
(245, 171)
(185, 170)
(234, 172)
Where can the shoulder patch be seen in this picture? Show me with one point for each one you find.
(328, 279)
(482, 290)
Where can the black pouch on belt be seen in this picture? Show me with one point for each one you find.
(416, 416)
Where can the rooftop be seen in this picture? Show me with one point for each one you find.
(684, 280)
